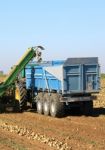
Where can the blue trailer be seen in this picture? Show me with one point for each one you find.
(54, 84)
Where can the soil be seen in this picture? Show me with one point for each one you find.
(31, 131)
(2, 78)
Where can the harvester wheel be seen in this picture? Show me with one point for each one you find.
(39, 103)
(56, 107)
(21, 95)
(46, 105)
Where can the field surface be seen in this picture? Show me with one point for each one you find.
(31, 131)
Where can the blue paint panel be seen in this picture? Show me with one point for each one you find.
(78, 77)
(41, 79)
(39, 83)
(54, 84)
(59, 62)
(73, 69)
(91, 77)
(91, 68)
(73, 78)
(38, 70)
(28, 83)
(82, 78)
(73, 83)
(28, 77)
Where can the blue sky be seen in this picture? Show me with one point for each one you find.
(66, 28)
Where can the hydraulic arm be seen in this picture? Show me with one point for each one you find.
(30, 53)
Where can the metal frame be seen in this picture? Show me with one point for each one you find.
(31, 52)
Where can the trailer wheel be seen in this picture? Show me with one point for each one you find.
(56, 107)
(21, 95)
(87, 108)
(39, 104)
(46, 105)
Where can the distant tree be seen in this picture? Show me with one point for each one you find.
(1, 73)
(103, 75)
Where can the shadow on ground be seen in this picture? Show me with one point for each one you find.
(68, 112)
(98, 111)
(76, 112)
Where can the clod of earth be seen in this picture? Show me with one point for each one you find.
(35, 136)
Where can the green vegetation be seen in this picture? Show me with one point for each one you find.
(2, 75)
(103, 75)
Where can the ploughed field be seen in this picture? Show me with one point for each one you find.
(31, 131)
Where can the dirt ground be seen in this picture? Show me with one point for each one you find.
(31, 131)
(2, 78)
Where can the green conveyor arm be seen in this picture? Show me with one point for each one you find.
(30, 53)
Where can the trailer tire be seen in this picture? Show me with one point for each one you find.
(87, 108)
(39, 103)
(21, 95)
(56, 107)
(46, 105)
